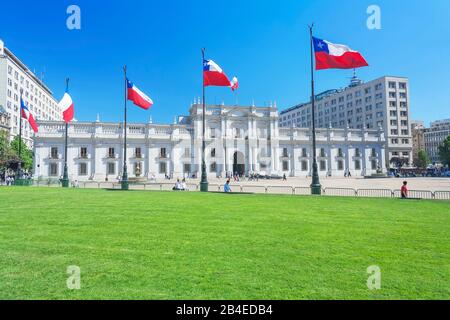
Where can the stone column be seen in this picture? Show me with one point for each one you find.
(250, 157)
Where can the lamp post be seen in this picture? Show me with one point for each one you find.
(125, 183)
(204, 180)
(316, 188)
(65, 179)
(19, 165)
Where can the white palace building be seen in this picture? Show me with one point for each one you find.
(238, 139)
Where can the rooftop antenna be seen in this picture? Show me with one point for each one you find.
(355, 81)
(43, 74)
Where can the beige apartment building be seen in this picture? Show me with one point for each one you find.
(383, 103)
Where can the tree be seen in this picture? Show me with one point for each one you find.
(444, 151)
(26, 154)
(5, 150)
(423, 159)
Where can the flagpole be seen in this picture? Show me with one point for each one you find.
(125, 184)
(19, 165)
(204, 181)
(65, 179)
(316, 188)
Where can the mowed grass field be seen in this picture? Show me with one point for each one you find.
(156, 245)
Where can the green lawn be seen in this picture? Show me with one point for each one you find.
(152, 245)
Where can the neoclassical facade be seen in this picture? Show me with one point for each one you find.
(238, 139)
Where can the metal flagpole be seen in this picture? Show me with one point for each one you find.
(125, 184)
(204, 181)
(19, 165)
(316, 188)
(65, 179)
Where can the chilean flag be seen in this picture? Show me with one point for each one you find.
(234, 84)
(66, 105)
(138, 97)
(213, 75)
(336, 56)
(26, 114)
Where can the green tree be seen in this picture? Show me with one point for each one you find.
(5, 150)
(26, 154)
(423, 159)
(444, 151)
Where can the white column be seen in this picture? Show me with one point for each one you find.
(250, 158)
(255, 159)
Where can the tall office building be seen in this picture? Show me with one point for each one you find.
(14, 77)
(435, 136)
(418, 143)
(381, 103)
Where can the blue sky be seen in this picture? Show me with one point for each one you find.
(265, 43)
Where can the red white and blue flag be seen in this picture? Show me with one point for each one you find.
(234, 84)
(26, 114)
(336, 56)
(213, 75)
(138, 97)
(66, 105)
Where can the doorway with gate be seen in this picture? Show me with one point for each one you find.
(239, 163)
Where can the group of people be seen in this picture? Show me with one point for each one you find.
(253, 177)
(9, 180)
(235, 176)
(180, 185)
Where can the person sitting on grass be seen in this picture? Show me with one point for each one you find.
(404, 190)
(177, 186)
(183, 185)
(227, 188)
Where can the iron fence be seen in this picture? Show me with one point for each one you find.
(442, 195)
(215, 187)
(302, 191)
(253, 189)
(416, 194)
(280, 190)
(374, 193)
(340, 192)
(260, 189)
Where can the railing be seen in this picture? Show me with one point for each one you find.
(259, 189)
(374, 193)
(135, 186)
(302, 191)
(254, 189)
(442, 195)
(280, 190)
(415, 194)
(340, 192)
